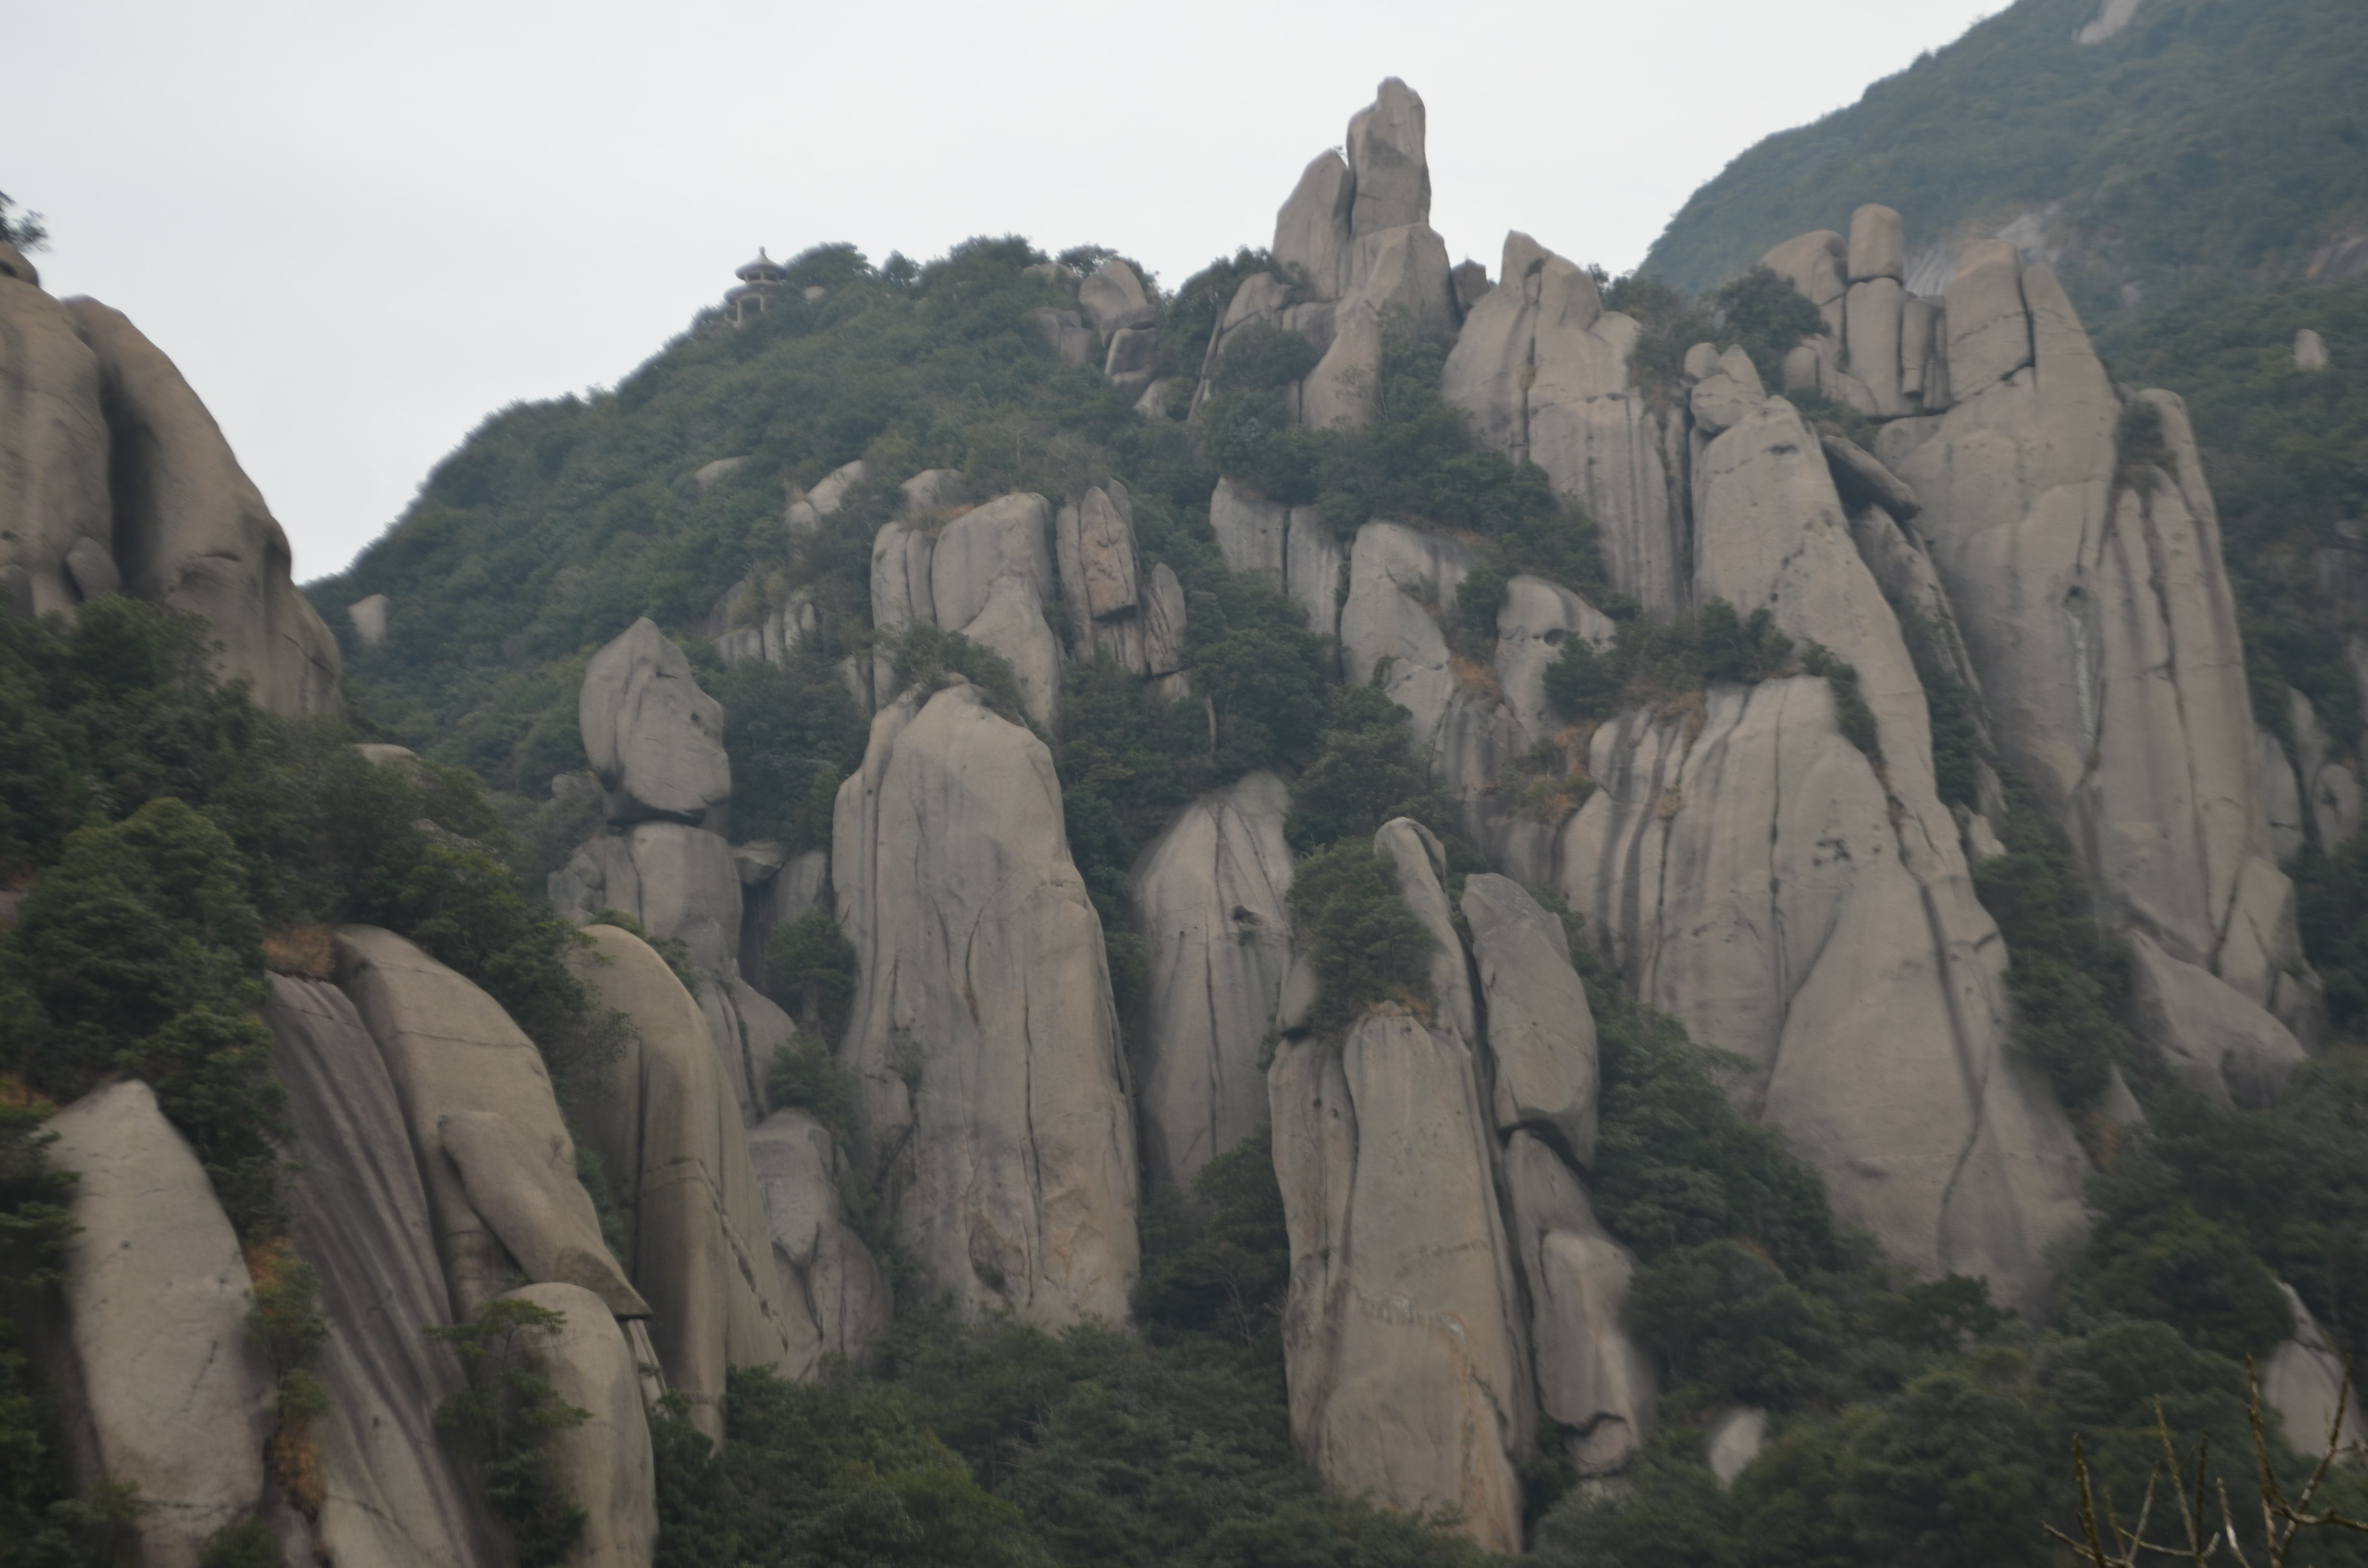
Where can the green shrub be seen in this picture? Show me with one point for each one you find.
(1366, 945)
(1367, 772)
(1217, 1261)
(924, 653)
(1767, 317)
(793, 733)
(1652, 662)
(2178, 1267)
(1262, 359)
(1851, 714)
(805, 1074)
(2068, 977)
(508, 1412)
(1732, 1326)
(810, 970)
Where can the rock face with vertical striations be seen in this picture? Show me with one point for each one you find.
(1362, 263)
(1404, 1343)
(987, 575)
(166, 1390)
(390, 1492)
(1209, 896)
(1541, 370)
(496, 1160)
(2077, 537)
(669, 1133)
(983, 1036)
(54, 451)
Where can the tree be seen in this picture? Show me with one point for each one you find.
(27, 232)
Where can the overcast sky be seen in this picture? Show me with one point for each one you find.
(358, 228)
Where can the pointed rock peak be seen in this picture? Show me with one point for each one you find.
(1311, 230)
(1523, 256)
(1387, 161)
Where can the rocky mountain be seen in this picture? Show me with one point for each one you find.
(1365, 913)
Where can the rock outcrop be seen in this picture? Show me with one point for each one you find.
(117, 480)
(2078, 540)
(835, 1295)
(392, 1495)
(1360, 261)
(668, 1129)
(1421, 1336)
(1113, 297)
(605, 1464)
(1116, 606)
(988, 575)
(166, 1389)
(1209, 896)
(1541, 370)
(1406, 1354)
(2205, 1035)
(2303, 1381)
(495, 1158)
(984, 1037)
(654, 739)
(1594, 1379)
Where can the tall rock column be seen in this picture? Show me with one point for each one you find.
(656, 742)
(2079, 541)
(1403, 1343)
(984, 1035)
(1210, 894)
(1542, 368)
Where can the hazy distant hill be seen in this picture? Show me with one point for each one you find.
(2221, 134)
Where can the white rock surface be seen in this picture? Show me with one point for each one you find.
(1311, 230)
(1593, 1375)
(1752, 882)
(392, 1494)
(368, 616)
(1009, 536)
(2099, 617)
(1541, 1032)
(53, 448)
(807, 511)
(1208, 893)
(1388, 161)
(984, 1035)
(1112, 298)
(2310, 350)
(2303, 1381)
(1405, 1352)
(1878, 245)
(1536, 624)
(1735, 1439)
(838, 1295)
(654, 738)
(167, 1391)
(670, 1136)
(1541, 370)
(451, 1052)
(2216, 1042)
(189, 529)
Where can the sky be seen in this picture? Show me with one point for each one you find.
(360, 229)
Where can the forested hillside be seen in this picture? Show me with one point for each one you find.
(2220, 137)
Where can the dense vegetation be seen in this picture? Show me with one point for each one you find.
(173, 844)
(2220, 136)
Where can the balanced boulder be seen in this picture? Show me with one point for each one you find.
(654, 738)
